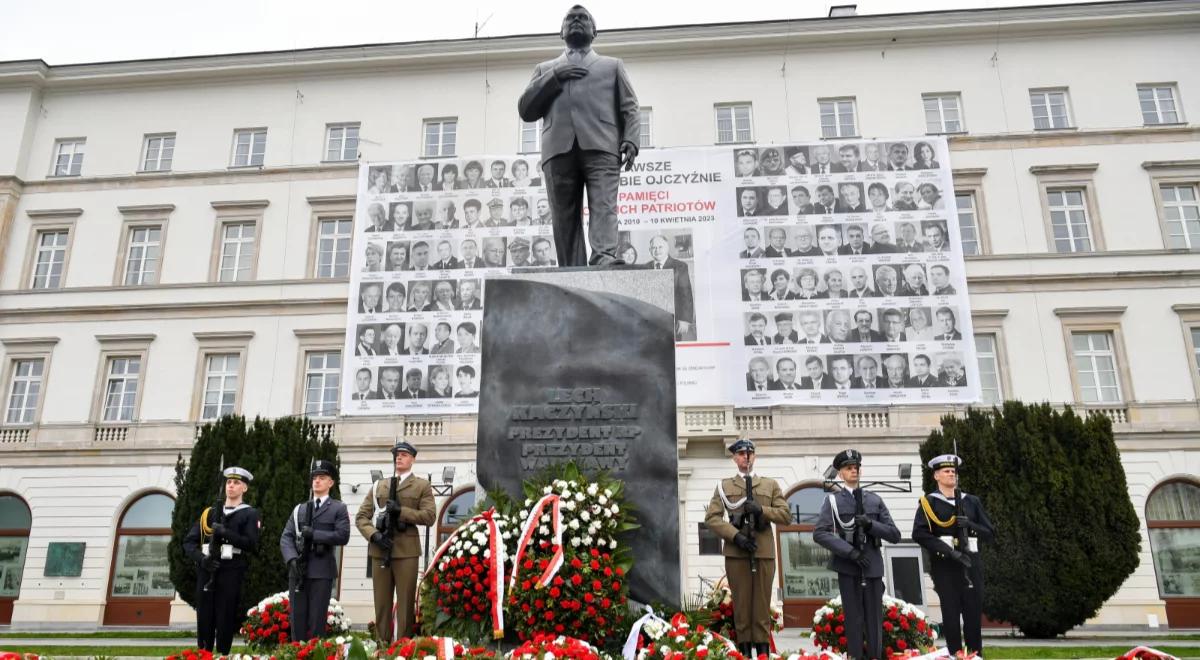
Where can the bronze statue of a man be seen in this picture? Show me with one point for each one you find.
(590, 129)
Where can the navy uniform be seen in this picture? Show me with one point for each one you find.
(957, 571)
(751, 590)
(309, 546)
(395, 555)
(235, 535)
(835, 530)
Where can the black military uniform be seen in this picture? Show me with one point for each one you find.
(859, 569)
(957, 571)
(309, 546)
(221, 543)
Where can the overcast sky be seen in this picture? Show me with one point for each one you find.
(72, 31)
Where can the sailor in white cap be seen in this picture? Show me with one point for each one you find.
(220, 543)
(949, 524)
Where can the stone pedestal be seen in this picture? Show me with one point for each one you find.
(580, 364)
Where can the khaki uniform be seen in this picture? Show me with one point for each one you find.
(751, 616)
(415, 497)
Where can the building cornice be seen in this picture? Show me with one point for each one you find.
(793, 33)
(54, 213)
(1074, 168)
(24, 342)
(1075, 312)
(224, 335)
(146, 209)
(241, 204)
(1157, 165)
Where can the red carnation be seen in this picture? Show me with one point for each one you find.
(902, 644)
(575, 563)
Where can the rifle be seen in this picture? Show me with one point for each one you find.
(216, 515)
(386, 522)
(960, 532)
(749, 527)
(859, 536)
(306, 546)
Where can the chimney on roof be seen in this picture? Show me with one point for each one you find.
(839, 11)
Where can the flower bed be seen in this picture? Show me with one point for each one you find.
(267, 625)
(555, 647)
(905, 628)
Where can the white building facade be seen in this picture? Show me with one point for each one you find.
(173, 247)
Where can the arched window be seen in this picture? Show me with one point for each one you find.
(15, 521)
(140, 588)
(454, 512)
(1173, 519)
(804, 578)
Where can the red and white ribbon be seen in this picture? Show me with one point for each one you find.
(495, 562)
(527, 530)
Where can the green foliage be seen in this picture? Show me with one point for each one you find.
(1053, 485)
(278, 454)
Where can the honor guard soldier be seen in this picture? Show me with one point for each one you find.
(949, 524)
(308, 543)
(221, 543)
(752, 503)
(852, 523)
(388, 518)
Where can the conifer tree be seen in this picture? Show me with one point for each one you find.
(1053, 485)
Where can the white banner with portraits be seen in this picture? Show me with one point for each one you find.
(823, 274)
(849, 268)
(426, 237)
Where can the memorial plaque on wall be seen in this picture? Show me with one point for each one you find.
(589, 376)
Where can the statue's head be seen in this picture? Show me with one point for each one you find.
(578, 27)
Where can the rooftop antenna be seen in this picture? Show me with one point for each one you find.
(479, 26)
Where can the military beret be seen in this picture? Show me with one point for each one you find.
(847, 457)
(496, 203)
(402, 446)
(743, 444)
(324, 467)
(518, 243)
(944, 461)
(241, 474)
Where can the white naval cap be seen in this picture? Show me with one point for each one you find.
(241, 474)
(944, 461)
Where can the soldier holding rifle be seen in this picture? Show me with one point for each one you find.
(220, 543)
(752, 503)
(852, 523)
(308, 543)
(388, 518)
(949, 524)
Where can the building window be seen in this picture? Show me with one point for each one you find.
(24, 391)
(709, 542)
(237, 251)
(646, 130)
(333, 247)
(15, 523)
(441, 137)
(989, 369)
(141, 261)
(837, 118)
(1158, 104)
(341, 142)
(1173, 519)
(68, 157)
(734, 123)
(322, 376)
(1196, 348)
(158, 153)
(220, 385)
(454, 513)
(943, 113)
(140, 587)
(51, 259)
(249, 147)
(803, 562)
(1181, 211)
(531, 136)
(968, 222)
(121, 388)
(1050, 109)
(1096, 367)
(1069, 220)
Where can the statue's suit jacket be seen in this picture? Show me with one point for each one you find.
(599, 110)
